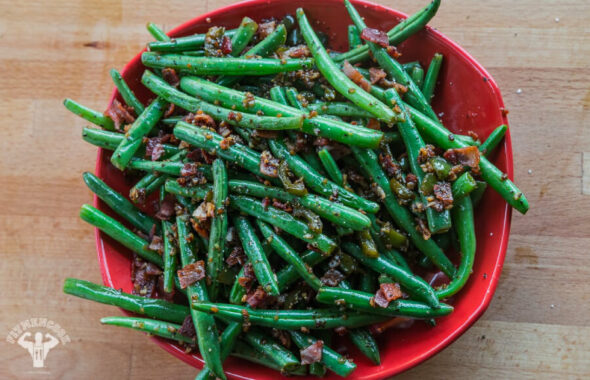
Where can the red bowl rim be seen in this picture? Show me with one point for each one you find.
(506, 222)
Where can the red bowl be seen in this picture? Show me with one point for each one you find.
(467, 99)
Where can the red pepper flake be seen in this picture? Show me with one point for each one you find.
(285, 206)
(355, 76)
(312, 353)
(377, 36)
(191, 273)
(266, 202)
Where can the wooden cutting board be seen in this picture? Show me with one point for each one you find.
(538, 325)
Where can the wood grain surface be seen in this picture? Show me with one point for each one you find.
(538, 325)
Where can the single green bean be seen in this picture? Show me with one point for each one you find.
(243, 35)
(89, 114)
(477, 194)
(169, 257)
(218, 226)
(341, 109)
(156, 32)
(150, 307)
(244, 351)
(153, 327)
(271, 348)
(331, 166)
(330, 358)
(432, 76)
(110, 140)
(354, 37)
(417, 75)
(193, 42)
(229, 337)
(487, 147)
(126, 93)
(289, 274)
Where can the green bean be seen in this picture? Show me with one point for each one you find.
(218, 226)
(264, 48)
(150, 307)
(330, 358)
(417, 75)
(172, 168)
(110, 140)
(409, 66)
(153, 327)
(395, 69)
(489, 173)
(91, 115)
(331, 166)
(289, 274)
(195, 192)
(477, 194)
(253, 249)
(462, 186)
(414, 285)
(364, 302)
(368, 161)
(284, 250)
(126, 93)
(438, 222)
(279, 95)
(341, 109)
(152, 181)
(207, 335)
(487, 147)
(398, 34)
(228, 338)
(462, 213)
(140, 127)
(284, 358)
(169, 257)
(354, 37)
(284, 221)
(316, 126)
(293, 98)
(156, 32)
(432, 76)
(120, 233)
(317, 319)
(244, 351)
(118, 203)
(223, 66)
(341, 82)
(180, 44)
(243, 35)
(318, 183)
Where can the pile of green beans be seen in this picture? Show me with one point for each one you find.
(295, 200)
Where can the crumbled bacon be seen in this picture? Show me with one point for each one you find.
(191, 273)
(189, 169)
(226, 46)
(265, 29)
(283, 337)
(285, 206)
(188, 328)
(455, 172)
(332, 277)
(473, 135)
(154, 148)
(355, 76)
(200, 227)
(391, 292)
(411, 181)
(341, 330)
(224, 129)
(377, 74)
(205, 211)
(390, 167)
(248, 278)
(236, 256)
(170, 76)
(374, 124)
(300, 51)
(256, 298)
(166, 209)
(468, 156)
(379, 300)
(119, 114)
(422, 227)
(269, 165)
(377, 36)
(393, 52)
(144, 276)
(442, 192)
(312, 353)
(200, 119)
(321, 141)
(226, 143)
(426, 153)
(156, 244)
(199, 155)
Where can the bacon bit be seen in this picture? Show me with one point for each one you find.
(265, 29)
(236, 256)
(468, 156)
(205, 211)
(377, 74)
(374, 124)
(422, 227)
(157, 244)
(154, 148)
(426, 153)
(200, 119)
(391, 292)
(189, 169)
(379, 300)
(119, 114)
(283, 337)
(393, 52)
(201, 230)
(390, 167)
(249, 100)
(266, 202)
(442, 192)
(170, 110)
(257, 298)
(473, 135)
(312, 353)
(170, 76)
(269, 165)
(332, 277)
(321, 141)
(188, 328)
(300, 51)
(282, 206)
(191, 273)
(355, 76)
(144, 277)
(166, 209)
(199, 155)
(226, 46)
(227, 142)
(248, 278)
(377, 36)
(455, 172)
(411, 181)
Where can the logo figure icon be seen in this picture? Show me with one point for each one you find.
(38, 348)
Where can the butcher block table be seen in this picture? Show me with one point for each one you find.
(538, 324)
